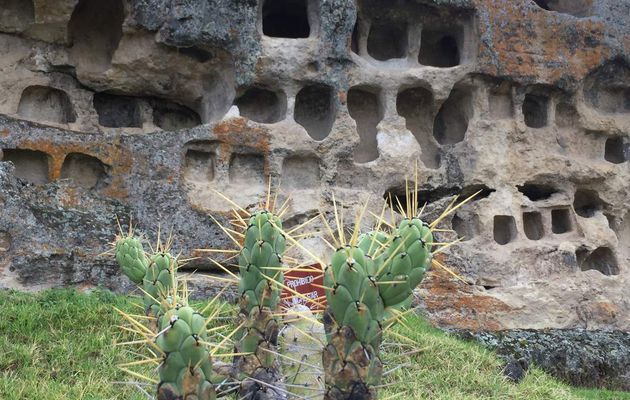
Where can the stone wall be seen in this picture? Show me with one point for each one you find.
(144, 108)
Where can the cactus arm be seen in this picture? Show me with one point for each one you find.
(260, 287)
(351, 360)
(186, 370)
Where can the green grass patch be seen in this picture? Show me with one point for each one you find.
(59, 345)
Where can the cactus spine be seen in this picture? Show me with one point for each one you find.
(261, 278)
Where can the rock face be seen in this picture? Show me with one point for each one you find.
(580, 357)
(144, 108)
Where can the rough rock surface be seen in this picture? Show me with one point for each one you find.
(144, 107)
(578, 356)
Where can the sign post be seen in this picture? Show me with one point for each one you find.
(307, 281)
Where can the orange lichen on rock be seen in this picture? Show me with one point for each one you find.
(452, 303)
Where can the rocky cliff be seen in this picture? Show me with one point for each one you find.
(143, 108)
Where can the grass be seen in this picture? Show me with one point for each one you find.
(58, 345)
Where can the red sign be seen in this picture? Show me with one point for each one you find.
(308, 282)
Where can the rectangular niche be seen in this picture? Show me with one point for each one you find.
(451, 123)
(577, 8)
(301, 172)
(16, 15)
(504, 229)
(536, 110)
(262, 105)
(445, 38)
(30, 165)
(616, 151)
(170, 116)
(84, 170)
(43, 103)
(441, 47)
(247, 169)
(500, 102)
(200, 161)
(466, 227)
(561, 221)
(533, 225)
(291, 19)
(199, 166)
(415, 105)
(95, 30)
(387, 39)
(566, 115)
(117, 111)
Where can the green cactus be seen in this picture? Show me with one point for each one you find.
(158, 282)
(155, 275)
(260, 287)
(131, 258)
(352, 319)
(186, 369)
(403, 263)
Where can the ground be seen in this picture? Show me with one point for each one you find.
(59, 345)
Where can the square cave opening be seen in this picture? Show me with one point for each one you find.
(199, 165)
(43, 103)
(415, 105)
(30, 165)
(440, 48)
(116, 111)
(388, 39)
(536, 110)
(616, 150)
(262, 105)
(84, 170)
(602, 259)
(504, 229)
(561, 221)
(533, 225)
(286, 19)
